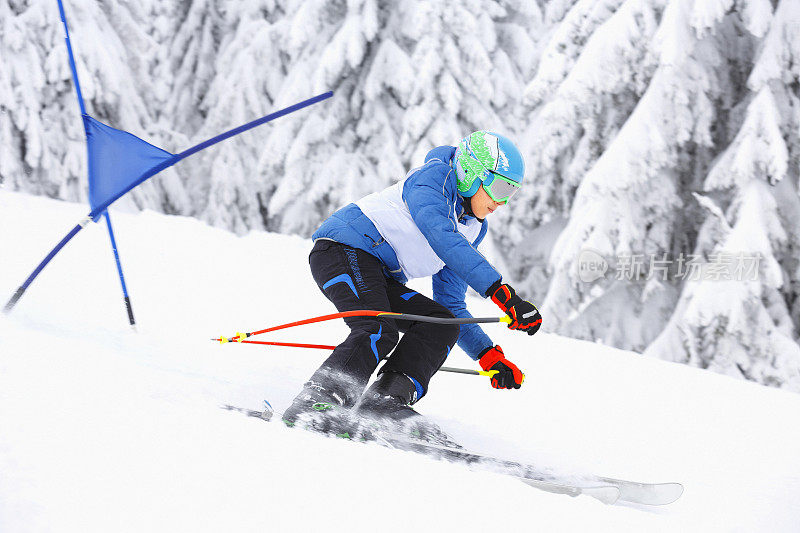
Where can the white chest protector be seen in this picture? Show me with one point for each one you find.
(387, 210)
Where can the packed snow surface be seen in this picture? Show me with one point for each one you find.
(105, 429)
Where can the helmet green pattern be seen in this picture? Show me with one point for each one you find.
(482, 154)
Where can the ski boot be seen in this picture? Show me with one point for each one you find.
(385, 408)
(318, 409)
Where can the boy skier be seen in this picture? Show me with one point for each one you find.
(429, 224)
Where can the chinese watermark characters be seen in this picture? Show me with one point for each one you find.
(718, 266)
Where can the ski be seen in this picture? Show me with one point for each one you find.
(606, 493)
(605, 489)
(629, 491)
(245, 411)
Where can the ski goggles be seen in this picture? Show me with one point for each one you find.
(498, 187)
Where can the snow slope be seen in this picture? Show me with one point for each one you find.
(103, 429)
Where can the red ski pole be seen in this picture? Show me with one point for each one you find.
(239, 337)
(489, 373)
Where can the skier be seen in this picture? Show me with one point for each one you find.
(428, 224)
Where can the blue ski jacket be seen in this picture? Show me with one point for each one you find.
(418, 228)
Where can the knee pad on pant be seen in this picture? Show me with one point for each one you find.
(387, 332)
(382, 336)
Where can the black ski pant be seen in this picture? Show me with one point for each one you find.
(354, 279)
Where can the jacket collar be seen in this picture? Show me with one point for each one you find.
(465, 210)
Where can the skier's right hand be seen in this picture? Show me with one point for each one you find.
(524, 315)
(508, 376)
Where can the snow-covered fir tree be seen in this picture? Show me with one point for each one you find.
(593, 69)
(41, 145)
(747, 327)
(41, 133)
(407, 76)
(634, 201)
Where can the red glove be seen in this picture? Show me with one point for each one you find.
(508, 376)
(524, 315)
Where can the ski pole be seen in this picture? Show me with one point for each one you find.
(488, 373)
(289, 344)
(366, 312)
(330, 347)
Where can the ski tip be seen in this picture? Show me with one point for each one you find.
(655, 494)
(652, 494)
(669, 493)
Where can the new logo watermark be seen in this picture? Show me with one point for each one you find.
(591, 265)
(719, 266)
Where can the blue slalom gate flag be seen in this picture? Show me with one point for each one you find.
(117, 162)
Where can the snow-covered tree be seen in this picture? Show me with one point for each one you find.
(748, 326)
(40, 148)
(42, 136)
(407, 76)
(635, 199)
(593, 70)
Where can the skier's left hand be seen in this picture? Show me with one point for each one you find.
(508, 376)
